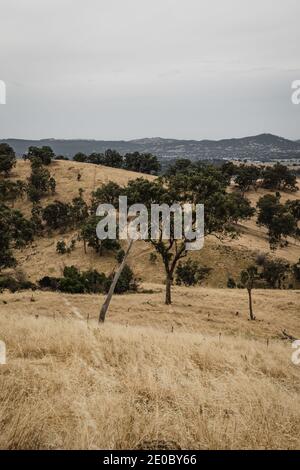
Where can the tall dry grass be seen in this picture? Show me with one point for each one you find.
(67, 385)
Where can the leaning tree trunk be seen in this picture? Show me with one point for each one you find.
(252, 316)
(168, 300)
(105, 306)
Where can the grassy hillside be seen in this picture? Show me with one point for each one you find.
(226, 258)
(194, 375)
(69, 384)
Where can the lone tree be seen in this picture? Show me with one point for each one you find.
(281, 220)
(89, 236)
(40, 182)
(190, 273)
(274, 271)
(80, 157)
(7, 159)
(205, 185)
(248, 278)
(15, 232)
(279, 177)
(108, 193)
(246, 177)
(45, 154)
(142, 162)
(11, 190)
(57, 215)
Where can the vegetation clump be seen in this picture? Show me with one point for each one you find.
(88, 282)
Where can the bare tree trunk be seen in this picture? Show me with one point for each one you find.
(168, 300)
(252, 316)
(105, 306)
(84, 245)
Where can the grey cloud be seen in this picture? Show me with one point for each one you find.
(127, 69)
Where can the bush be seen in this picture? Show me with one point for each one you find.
(275, 272)
(7, 159)
(7, 282)
(40, 182)
(57, 215)
(14, 285)
(71, 285)
(231, 284)
(279, 177)
(296, 270)
(93, 281)
(153, 258)
(120, 256)
(89, 282)
(51, 283)
(62, 248)
(15, 232)
(190, 273)
(44, 154)
(126, 282)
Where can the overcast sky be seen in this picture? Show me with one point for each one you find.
(123, 69)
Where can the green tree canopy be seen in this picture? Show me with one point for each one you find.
(7, 159)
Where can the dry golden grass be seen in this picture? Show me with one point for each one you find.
(195, 310)
(195, 375)
(67, 185)
(68, 385)
(71, 384)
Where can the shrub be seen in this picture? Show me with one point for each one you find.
(40, 182)
(126, 282)
(153, 258)
(296, 270)
(190, 273)
(15, 232)
(71, 285)
(279, 177)
(120, 256)
(91, 281)
(44, 154)
(51, 283)
(62, 248)
(7, 282)
(14, 285)
(7, 159)
(57, 215)
(231, 284)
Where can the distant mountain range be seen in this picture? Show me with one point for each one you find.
(262, 147)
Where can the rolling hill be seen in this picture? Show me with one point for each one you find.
(194, 375)
(226, 258)
(263, 147)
